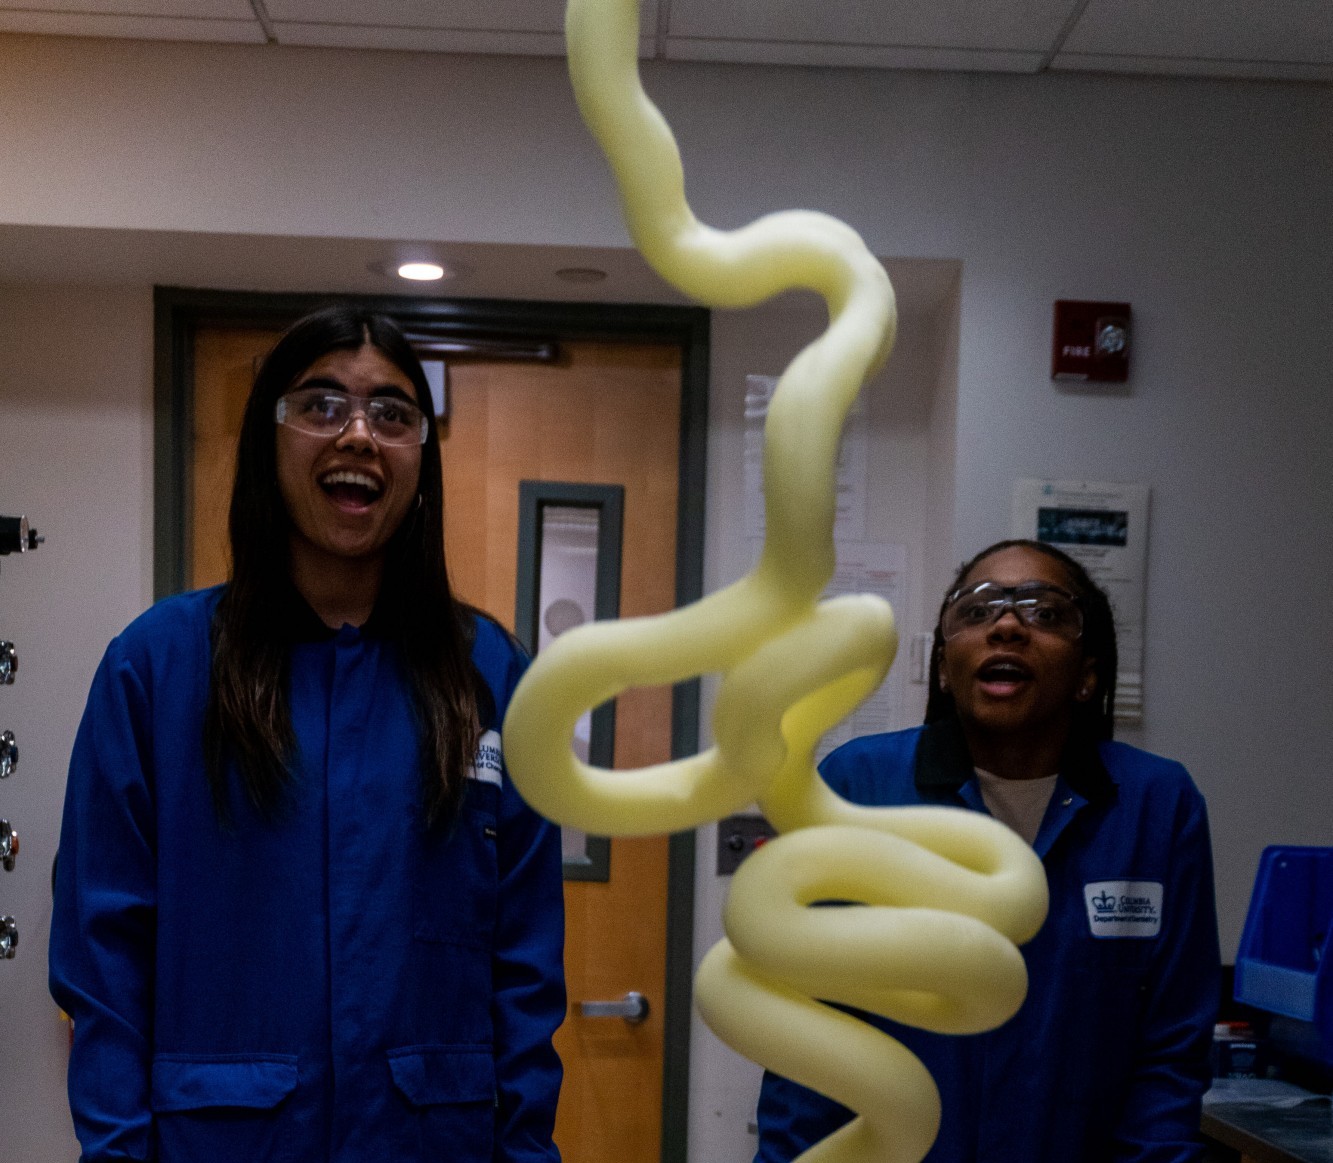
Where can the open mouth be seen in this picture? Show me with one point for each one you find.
(351, 490)
(1003, 676)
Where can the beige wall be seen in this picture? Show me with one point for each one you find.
(75, 393)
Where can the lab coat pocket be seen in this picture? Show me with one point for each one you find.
(458, 875)
(1105, 1017)
(451, 1091)
(225, 1106)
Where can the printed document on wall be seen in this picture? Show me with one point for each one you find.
(870, 567)
(850, 521)
(1104, 527)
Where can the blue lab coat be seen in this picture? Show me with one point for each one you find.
(1108, 1057)
(338, 985)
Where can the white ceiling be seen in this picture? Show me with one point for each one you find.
(242, 262)
(1282, 39)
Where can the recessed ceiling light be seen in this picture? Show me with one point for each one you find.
(580, 274)
(421, 272)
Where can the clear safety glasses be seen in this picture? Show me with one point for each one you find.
(1039, 607)
(325, 412)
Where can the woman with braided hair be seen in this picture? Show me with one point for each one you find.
(1108, 1057)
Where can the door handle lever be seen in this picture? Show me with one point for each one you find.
(633, 1007)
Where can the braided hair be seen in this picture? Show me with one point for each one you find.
(1093, 720)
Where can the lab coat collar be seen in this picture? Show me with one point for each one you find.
(944, 766)
(297, 622)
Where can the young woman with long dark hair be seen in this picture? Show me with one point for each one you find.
(1108, 1057)
(301, 913)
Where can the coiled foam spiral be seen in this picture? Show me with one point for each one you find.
(949, 893)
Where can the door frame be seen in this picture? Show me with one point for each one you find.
(178, 313)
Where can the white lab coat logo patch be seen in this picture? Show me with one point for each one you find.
(489, 763)
(1124, 908)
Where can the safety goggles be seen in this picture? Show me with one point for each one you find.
(325, 412)
(1039, 607)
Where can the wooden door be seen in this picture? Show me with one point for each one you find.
(605, 413)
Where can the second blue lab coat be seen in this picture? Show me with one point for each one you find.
(1108, 1057)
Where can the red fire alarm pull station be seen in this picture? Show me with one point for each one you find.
(1091, 341)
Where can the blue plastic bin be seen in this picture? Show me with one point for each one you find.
(1285, 963)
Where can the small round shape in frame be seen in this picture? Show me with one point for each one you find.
(1112, 339)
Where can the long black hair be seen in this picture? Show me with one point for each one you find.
(247, 722)
(1094, 720)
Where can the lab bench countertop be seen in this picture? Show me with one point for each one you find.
(1267, 1133)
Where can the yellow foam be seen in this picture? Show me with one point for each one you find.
(948, 893)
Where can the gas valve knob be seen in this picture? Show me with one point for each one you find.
(9, 938)
(9, 663)
(9, 846)
(9, 754)
(17, 536)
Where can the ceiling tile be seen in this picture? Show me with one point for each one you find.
(445, 40)
(990, 25)
(526, 16)
(1192, 67)
(479, 15)
(235, 10)
(130, 27)
(1291, 31)
(851, 55)
(421, 39)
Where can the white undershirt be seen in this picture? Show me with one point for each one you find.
(1020, 803)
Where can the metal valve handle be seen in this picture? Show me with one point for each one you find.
(633, 1007)
(17, 536)
(9, 938)
(9, 846)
